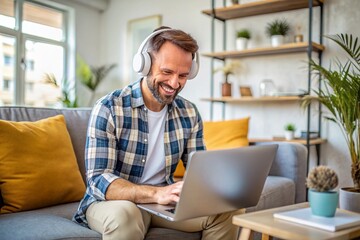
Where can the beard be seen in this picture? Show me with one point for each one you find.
(154, 89)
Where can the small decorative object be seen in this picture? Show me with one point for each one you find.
(321, 181)
(312, 134)
(289, 131)
(228, 69)
(245, 91)
(235, 1)
(277, 30)
(267, 88)
(242, 39)
(298, 38)
(340, 95)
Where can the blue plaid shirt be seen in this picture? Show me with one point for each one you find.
(116, 143)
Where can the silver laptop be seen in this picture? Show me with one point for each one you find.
(219, 181)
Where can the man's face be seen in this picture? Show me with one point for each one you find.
(169, 72)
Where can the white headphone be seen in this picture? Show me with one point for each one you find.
(142, 59)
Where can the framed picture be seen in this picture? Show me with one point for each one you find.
(138, 30)
(245, 91)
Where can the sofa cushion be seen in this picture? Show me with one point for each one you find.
(37, 226)
(226, 134)
(222, 135)
(38, 167)
(277, 192)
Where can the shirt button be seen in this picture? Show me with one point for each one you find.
(143, 160)
(145, 140)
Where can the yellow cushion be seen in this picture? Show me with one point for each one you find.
(222, 135)
(38, 166)
(180, 170)
(226, 134)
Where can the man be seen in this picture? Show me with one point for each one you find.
(136, 137)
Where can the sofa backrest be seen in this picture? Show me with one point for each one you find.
(76, 122)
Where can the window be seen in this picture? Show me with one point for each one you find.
(36, 38)
(8, 60)
(6, 85)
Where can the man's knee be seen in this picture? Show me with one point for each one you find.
(118, 220)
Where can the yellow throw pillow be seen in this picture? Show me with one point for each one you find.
(226, 134)
(180, 170)
(38, 166)
(222, 135)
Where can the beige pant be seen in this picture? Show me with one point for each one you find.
(124, 220)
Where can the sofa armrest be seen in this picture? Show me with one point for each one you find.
(290, 162)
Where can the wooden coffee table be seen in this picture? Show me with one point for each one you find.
(264, 222)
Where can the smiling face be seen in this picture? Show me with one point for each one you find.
(169, 72)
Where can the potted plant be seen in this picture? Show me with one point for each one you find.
(321, 181)
(277, 30)
(68, 98)
(92, 76)
(242, 38)
(341, 96)
(289, 131)
(228, 69)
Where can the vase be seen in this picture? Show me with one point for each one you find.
(277, 40)
(241, 43)
(349, 200)
(267, 88)
(323, 204)
(226, 89)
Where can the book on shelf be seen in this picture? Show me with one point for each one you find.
(342, 219)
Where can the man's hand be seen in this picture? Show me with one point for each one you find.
(169, 194)
(121, 189)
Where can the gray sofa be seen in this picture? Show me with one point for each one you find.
(284, 186)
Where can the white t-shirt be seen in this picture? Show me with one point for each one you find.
(154, 171)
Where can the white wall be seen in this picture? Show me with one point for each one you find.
(107, 44)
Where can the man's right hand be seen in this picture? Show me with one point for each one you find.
(169, 194)
(121, 189)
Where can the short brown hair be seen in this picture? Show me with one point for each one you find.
(175, 36)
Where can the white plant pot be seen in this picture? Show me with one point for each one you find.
(277, 40)
(349, 200)
(289, 135)
(241, 43)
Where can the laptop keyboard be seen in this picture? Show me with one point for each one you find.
(172, 210)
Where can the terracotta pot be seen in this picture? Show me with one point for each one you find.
(226, 89)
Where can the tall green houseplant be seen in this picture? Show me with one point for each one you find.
(341, 95)
(92, 76)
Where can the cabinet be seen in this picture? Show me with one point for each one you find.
(238, 11)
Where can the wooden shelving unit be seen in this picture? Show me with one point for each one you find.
(252, 99)
(283, 49)
(261, 7)
(313, 141)
(258, 8)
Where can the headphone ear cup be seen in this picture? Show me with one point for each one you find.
(138, 62)
(147, 64)
(194, 68)
(142, 63)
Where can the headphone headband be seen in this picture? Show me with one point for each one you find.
(142, 59)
